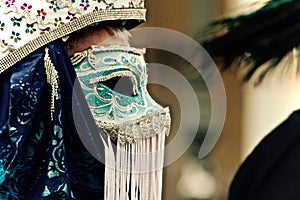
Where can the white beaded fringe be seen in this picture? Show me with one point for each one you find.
(135, 171)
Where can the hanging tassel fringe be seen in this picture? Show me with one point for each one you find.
(52, 79)
(133, 169)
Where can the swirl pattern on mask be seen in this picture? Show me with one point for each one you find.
(105, 62)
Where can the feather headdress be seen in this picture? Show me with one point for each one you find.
(265, 36)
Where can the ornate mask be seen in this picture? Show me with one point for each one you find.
(135, 121)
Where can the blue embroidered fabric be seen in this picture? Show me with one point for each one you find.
(41, 158)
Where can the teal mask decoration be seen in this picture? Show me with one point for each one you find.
(103, 64)
(135, 121)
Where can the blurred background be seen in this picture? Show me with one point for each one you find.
(252, 112)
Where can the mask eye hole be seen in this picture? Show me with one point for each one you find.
(111, 83)
(122, 85)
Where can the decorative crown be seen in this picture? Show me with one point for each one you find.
(28, 25)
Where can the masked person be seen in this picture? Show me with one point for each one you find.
(44, 154)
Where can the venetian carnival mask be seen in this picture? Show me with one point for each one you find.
(102, 64)
(137, 123)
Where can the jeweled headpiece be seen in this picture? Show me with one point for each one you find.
(28, 25)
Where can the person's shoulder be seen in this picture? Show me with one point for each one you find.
(268, 164)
